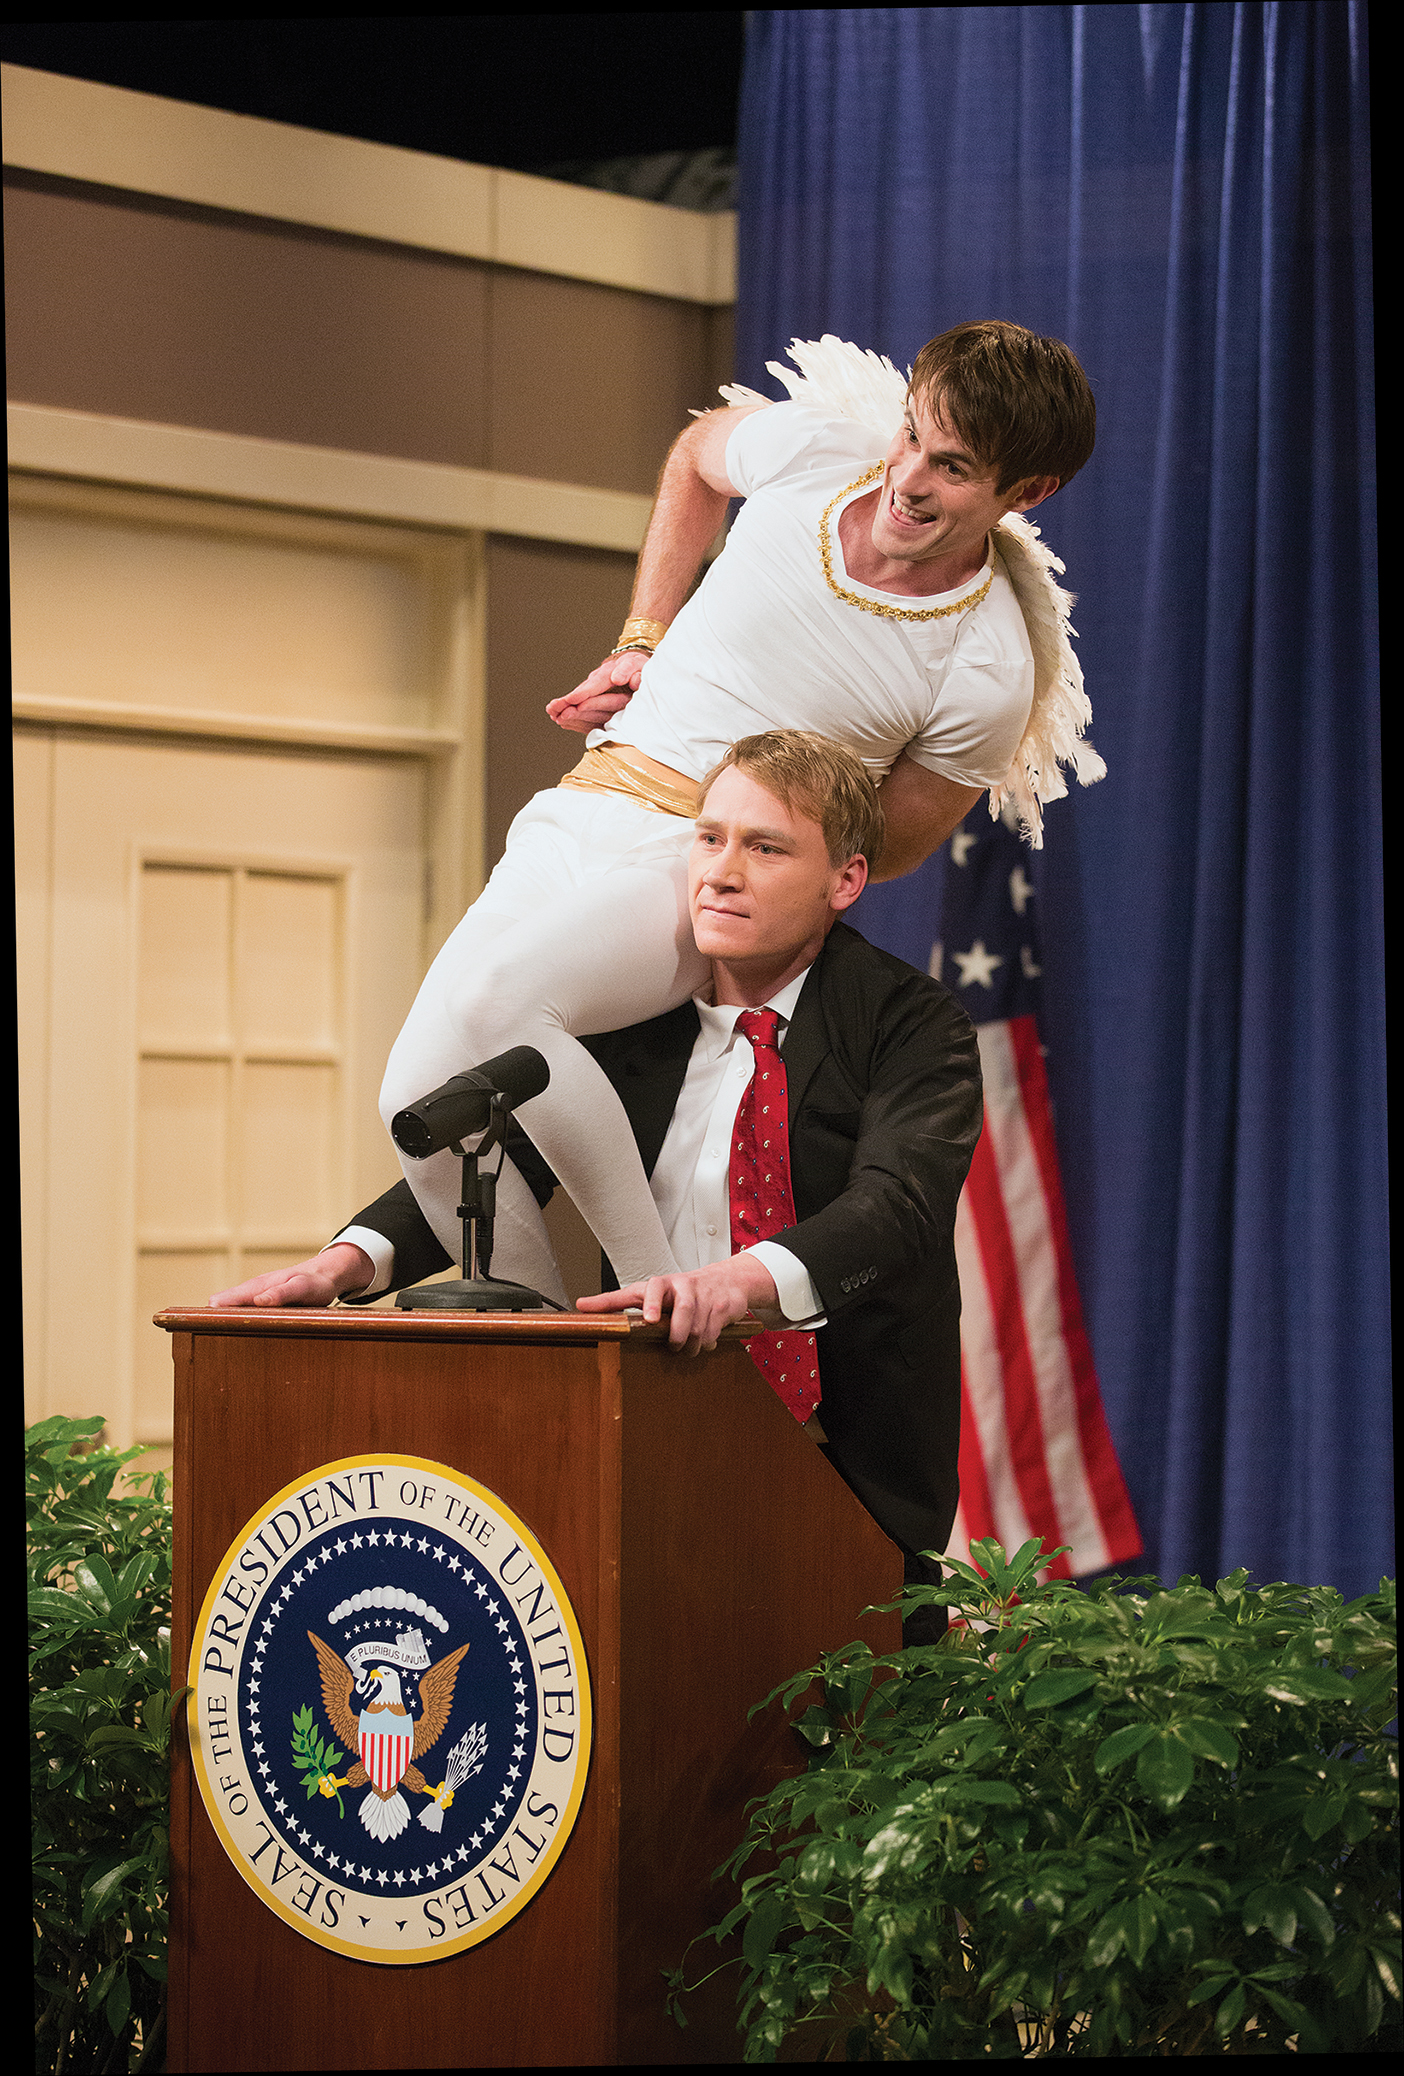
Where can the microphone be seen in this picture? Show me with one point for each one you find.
(465, 1104)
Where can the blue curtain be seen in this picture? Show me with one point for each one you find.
(1180, 192)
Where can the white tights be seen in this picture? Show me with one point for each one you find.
(583, 927)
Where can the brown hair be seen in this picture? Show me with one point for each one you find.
(1020, 403)
(814, 777)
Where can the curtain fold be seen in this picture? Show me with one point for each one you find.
(1181, 192)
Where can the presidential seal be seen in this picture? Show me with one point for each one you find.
(389, 1709)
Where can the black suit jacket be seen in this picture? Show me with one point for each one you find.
(885, 1105)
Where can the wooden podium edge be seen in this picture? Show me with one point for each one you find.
(355, 1319)
(182, 1768)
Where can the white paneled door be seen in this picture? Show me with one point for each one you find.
(218, 935)
(199, 1083)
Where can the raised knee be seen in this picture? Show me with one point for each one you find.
(492, 1010)
(409, 1078)
(395, 1095)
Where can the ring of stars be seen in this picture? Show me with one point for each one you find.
(387, 1620)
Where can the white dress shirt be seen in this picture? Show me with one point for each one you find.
(691, 1178)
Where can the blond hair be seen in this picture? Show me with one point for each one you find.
(815, 777)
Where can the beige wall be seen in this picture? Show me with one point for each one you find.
(126, 306)
(127, 300)
(552, 606)
(120, 304)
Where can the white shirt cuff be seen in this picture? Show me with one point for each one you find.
(380, 1250)
(799, 1301)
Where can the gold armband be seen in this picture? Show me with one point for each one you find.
(638, 633)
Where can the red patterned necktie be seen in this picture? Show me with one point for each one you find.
(763, 1203)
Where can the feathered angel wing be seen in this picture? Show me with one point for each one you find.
(1061, 710)
(838, 379)
(436, 1692)
(845, 381)
(337, 1682)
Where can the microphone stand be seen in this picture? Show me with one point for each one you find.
(477, 1291)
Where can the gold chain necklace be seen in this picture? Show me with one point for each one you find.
(870, 605)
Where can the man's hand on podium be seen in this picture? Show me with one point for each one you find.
(698, 1303)
(336, 1272)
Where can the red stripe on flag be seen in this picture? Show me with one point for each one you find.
(1036, 1454)
(1113, 1502)
(1022, 1414)
(976, 1506)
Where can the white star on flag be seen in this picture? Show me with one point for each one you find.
(977, 966)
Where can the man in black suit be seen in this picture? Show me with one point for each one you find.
(884, 1108)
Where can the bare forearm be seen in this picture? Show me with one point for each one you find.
(687, 514)
(910, 848)
(920, 809)
(688, 511)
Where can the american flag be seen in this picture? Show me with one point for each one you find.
(1036, 1456)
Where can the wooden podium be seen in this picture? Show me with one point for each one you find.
(709, 1551)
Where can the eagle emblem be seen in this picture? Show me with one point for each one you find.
(364, 1695)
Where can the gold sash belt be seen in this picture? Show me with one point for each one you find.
(605, 771)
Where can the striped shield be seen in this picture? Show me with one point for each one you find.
(387, 1746)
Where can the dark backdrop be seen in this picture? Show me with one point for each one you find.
(1181, 192)
(519, 90)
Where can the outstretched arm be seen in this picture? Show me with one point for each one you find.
(688, 511)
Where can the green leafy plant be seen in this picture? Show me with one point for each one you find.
(1122, 1820)
(99, 1558)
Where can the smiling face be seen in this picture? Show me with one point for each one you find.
(937, 500)
(762, 888)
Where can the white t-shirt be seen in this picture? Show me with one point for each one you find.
(764, 642)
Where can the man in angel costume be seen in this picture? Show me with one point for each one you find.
(879, 588)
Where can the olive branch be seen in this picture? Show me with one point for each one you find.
(314, 1760)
